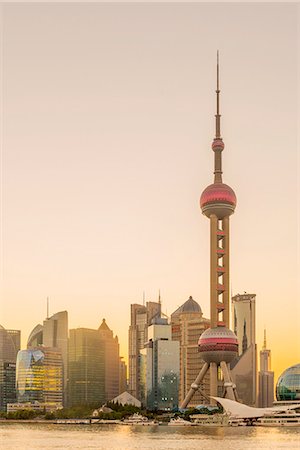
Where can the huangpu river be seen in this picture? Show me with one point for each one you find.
(18, 436)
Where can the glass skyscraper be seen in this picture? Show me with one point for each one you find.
(161, 370)
(53, 333)
(40, 376)
(94, 366)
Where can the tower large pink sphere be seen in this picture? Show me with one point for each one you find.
(218, 344)
(218, 199)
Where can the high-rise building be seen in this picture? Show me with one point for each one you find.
(86, 368)
(110, 344)
(9, 347)
(265, 378)
(94, 366)
(40, 377)
(188, 324)
(161, 370)
(123, 376)
(53, 333)
(217, 345)
(244, 367)
(141, 318)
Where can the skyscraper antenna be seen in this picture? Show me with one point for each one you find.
(218, 116)
(143, 298)
(47, 307)
(265, 339)
(159, 299)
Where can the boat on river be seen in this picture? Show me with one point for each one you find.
(138, 419)
(286, 419)
(179, 421)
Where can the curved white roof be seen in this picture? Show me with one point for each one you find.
(241, 411)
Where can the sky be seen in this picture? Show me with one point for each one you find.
(107, 119)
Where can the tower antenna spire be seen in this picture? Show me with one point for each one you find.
(265, 339)
(47, 307)
(218, 116)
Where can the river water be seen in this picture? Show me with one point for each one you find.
(18, 436)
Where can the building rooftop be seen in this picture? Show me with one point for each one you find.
(189, 306)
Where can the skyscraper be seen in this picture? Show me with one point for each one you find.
(141, 317)
(53, 334)
(244, 367)
(110, 345)
(86, 368)
(188, 324)
(122, 376)
(94, 366)
(161, 371)
(265, 378)
(9, 347)
(217, 345)
(39, 377)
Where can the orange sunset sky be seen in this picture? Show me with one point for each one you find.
(107, 117)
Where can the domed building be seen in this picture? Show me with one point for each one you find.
(188, 324)
(288, 384)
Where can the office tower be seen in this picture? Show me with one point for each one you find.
(53, 333)
(265, 378)
(161, 375)
(110, 345)
(141, 317)
(86, 368)
(93, 366)
(218, 345)
(123, 376)
(40, 377)
(244, 367)
(9, 347)
(188, 324)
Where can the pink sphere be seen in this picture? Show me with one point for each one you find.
(218, 199)
(218, 344)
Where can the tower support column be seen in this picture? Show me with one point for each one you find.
(213, 270)
(213, 380)
(225, 223)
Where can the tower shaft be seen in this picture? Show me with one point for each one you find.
(219, 271)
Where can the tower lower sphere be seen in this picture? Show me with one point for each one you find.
(218, 344)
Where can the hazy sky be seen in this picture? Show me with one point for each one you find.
(107, 120)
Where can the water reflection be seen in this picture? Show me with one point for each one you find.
(116, 437)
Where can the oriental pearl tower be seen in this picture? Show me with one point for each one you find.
(218, 345)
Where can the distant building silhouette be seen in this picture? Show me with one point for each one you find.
(123, 376)
(265, 378)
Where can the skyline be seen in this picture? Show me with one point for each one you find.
(106, 151)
